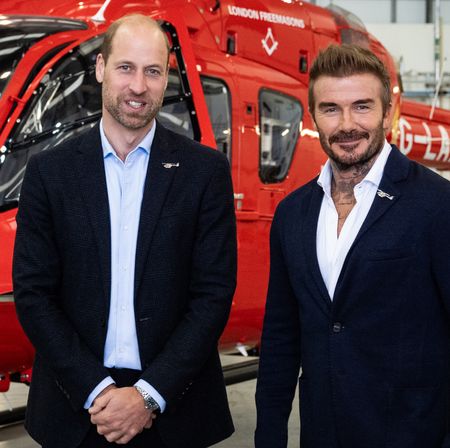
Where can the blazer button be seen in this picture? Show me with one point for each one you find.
(337, 327)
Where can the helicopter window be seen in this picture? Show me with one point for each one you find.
(280, 118)
(217, 98)
(68, 93)
(19, 33)
(67, 102)
(174, 114)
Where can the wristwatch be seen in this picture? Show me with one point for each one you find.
(149, 401)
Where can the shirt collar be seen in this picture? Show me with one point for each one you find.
(145, 143)
(373, 176)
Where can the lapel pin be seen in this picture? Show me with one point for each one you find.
(382, 194)
(169, 165)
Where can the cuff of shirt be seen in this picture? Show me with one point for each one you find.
(93, 395)
(153, 393)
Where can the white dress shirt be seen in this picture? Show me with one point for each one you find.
(331, 249)
(125, 183)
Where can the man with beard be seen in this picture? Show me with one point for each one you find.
(359, 291)
(124, 268)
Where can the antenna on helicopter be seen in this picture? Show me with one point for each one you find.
(99, 16)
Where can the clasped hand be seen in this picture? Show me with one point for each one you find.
(120, 414)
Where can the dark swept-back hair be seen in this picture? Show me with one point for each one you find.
(106, 47)
(344, 60)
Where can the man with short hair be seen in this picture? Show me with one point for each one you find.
(125, 267)
(359, 291)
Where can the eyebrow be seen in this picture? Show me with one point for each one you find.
(126, 62)
(365, 101)
(325, 104)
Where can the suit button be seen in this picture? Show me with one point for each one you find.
(337, 327)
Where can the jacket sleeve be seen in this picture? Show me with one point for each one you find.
(279, 363)
(440, 252)
(212, 282)
(37, 288)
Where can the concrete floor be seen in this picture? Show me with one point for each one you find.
(242, 404)
(15, 436)
(241, 397)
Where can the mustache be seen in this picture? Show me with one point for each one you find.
(343, 136)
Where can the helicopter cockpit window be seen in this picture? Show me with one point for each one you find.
(174, 114)
(19, 33)
(280, 118)
(68, 101)
(67, 94)
(217, 98)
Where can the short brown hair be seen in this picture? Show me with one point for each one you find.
(106, 47)
(344, 60)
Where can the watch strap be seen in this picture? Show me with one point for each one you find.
(149, 401)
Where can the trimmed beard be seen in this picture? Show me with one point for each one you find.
(131, 120)
(344, 164)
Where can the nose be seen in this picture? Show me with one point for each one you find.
(347, 122)
(138, 83)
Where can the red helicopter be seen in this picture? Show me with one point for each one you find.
(238, 82)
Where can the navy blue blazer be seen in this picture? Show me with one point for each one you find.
(374, 361)
(184, 284)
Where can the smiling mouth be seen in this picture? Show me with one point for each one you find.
(348, 140)
(135, 104)
(348, 145)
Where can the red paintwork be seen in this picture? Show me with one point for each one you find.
(424, 139)
(7, 232)
(203, 31)
(16, 351)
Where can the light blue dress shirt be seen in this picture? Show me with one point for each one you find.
(125, 182)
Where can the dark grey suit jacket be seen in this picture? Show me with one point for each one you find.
(184, 283)
(375, 360)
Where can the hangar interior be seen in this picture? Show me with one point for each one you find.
(417, 34)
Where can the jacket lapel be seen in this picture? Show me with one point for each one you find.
(396, 169)
(92, 186)
(309, 241)
(157, 183)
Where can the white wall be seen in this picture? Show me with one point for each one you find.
(375, 11)
(410, 11)
(415, 42)
(379, 11)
